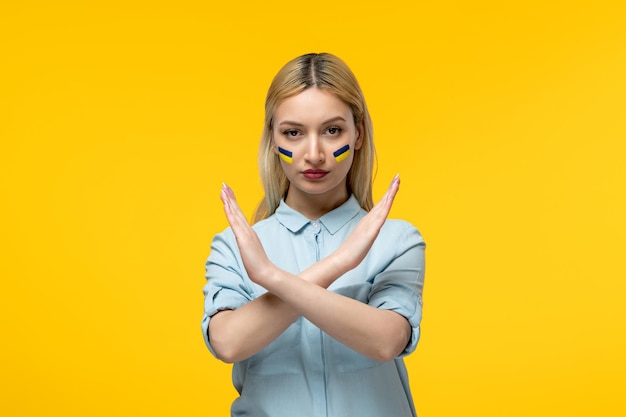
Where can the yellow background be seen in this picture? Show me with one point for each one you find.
(119, 121)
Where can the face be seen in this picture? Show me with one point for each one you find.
(315, 136)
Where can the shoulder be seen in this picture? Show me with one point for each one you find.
(398, 227)
(400, 234)
(266, 225)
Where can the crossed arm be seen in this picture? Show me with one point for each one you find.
(238, 334)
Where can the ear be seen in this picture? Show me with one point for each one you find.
(359, 136)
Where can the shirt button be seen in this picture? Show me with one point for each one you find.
(315, 225)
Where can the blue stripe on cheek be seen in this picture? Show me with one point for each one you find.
(285, 155)
(342, 153)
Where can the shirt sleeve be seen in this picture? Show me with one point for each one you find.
(399, 286)
(225, 288)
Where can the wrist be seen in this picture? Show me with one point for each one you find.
(326, 271)
(337, 265)
(272, 276)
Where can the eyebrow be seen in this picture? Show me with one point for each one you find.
(331, 120)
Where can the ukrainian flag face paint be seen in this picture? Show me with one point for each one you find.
(342, 153)
(285, 155)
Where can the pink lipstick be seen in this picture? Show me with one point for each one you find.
(314, 174)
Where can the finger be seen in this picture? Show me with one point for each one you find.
(393, 189)
(386, 201)
(230, 209)
(225, 200)
(229, 195)
(237, 220)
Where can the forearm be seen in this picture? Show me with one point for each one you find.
(236, 335)
(376, 333)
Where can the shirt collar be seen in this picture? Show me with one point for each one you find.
(332, 221)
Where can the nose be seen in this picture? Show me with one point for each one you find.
(314, 153)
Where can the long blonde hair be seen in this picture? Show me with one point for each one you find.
(328, 72)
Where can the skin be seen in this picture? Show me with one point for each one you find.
(379, 334)
(313, 125)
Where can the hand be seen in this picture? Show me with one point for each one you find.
(354, 249)
(254, 258)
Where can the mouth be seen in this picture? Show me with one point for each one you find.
(314, 174)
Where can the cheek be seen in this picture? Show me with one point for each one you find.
(285, 154)
(342, 153)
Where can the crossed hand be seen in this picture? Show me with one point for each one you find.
(347, 256)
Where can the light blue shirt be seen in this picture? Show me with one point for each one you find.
(305, 372)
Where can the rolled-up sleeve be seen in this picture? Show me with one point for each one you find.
(225, 288)
(399, 286)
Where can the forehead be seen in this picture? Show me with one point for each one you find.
(312, 105)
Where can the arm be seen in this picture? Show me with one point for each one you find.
(377, 333)
(238, 334)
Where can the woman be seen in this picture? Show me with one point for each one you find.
(317, 303)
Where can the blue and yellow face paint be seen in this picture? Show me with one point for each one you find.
(285, 155)
(342, 153)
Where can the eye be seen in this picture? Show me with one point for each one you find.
(291, 133)
(334, 131)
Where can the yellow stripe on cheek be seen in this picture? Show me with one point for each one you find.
(342, 153)
(342, 156)
(285, 155)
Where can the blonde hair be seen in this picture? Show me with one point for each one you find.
(327, 72)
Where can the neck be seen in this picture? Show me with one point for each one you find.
(314, 206)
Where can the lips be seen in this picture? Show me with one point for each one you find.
(314, 174)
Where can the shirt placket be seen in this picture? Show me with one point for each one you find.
(315, 335)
